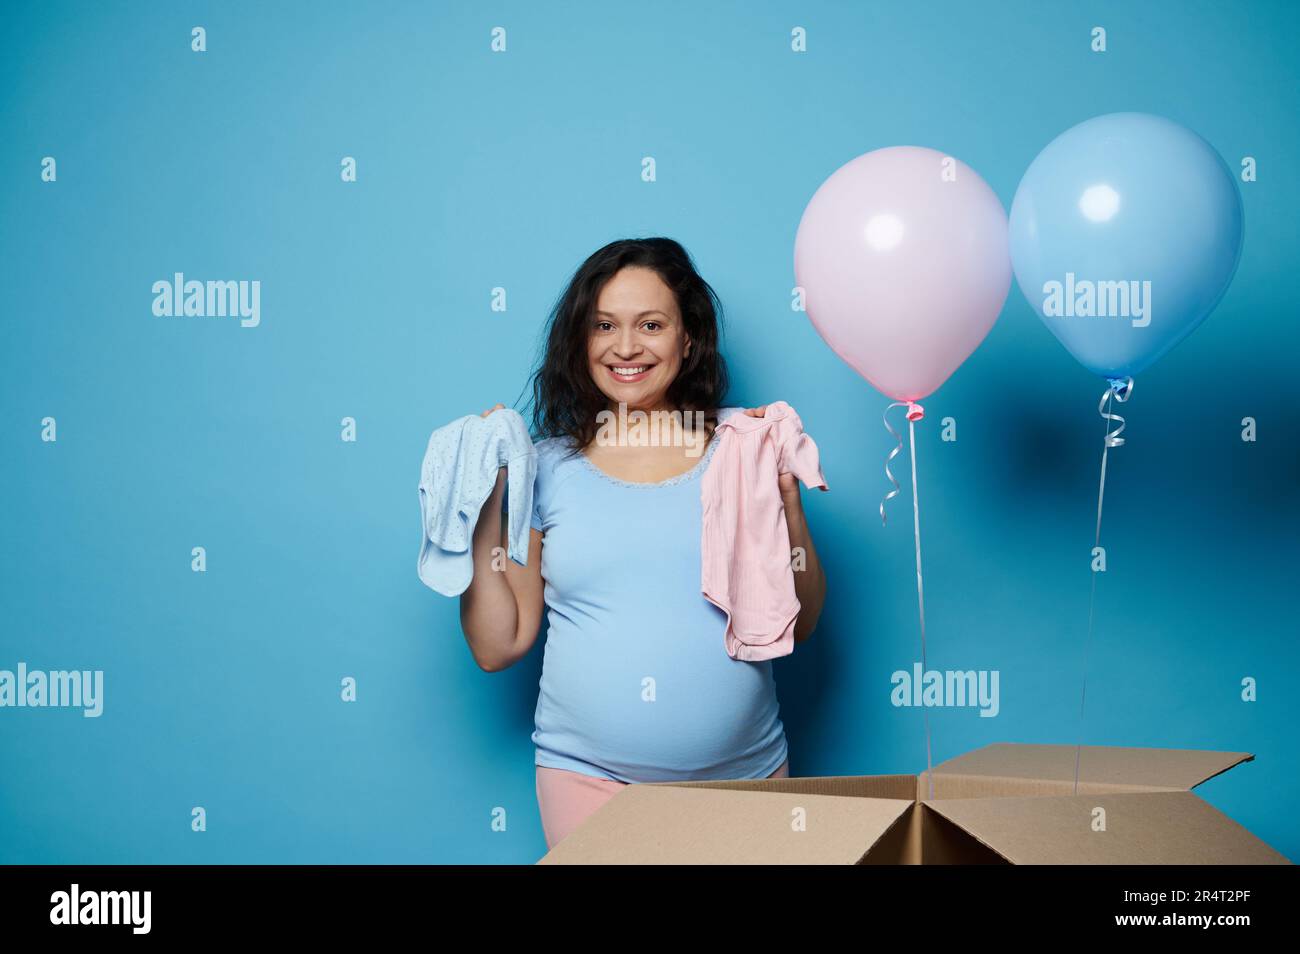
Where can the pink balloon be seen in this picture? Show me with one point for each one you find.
(905, 264)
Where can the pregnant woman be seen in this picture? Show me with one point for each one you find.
(636, 684)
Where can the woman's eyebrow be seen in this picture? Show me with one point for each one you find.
(652, 311)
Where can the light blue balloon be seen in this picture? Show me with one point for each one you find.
(1131, 217)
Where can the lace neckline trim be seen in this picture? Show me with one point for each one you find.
(652, 484)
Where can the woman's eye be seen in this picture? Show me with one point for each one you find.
(655, 323)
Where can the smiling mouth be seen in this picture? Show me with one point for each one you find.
(629, 372)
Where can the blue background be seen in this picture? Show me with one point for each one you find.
(479, 170)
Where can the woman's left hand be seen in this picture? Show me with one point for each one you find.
(788, 483)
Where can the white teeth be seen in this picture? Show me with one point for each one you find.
(629, 371)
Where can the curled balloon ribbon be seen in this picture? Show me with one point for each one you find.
(1117, 389)
(914, 413)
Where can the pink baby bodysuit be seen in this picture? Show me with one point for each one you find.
(745, 543)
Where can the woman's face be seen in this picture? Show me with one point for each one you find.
(638, 327)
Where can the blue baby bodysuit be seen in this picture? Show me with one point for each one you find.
(635, 683)
(457, 476)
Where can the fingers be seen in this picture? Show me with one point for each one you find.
(491, 409)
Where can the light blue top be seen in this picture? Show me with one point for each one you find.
(636, 682)
(457, 475)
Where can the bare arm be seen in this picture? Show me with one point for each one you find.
(501, 611)
(810, 581)
(809, 578)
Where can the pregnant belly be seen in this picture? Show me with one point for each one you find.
(656, 710)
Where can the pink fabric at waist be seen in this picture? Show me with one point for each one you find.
(565, 799)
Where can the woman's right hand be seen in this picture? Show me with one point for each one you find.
(501, 473)
(501, 611)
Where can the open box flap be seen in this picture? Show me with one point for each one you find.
(1156, 827)
(669, 824)
(1126, 769)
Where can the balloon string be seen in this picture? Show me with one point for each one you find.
(914, 413)
(920, 592)
(1117, 389)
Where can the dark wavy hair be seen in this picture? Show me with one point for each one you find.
(566, 400)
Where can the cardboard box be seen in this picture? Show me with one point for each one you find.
(1002, 804)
